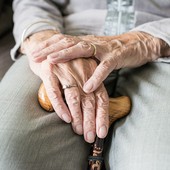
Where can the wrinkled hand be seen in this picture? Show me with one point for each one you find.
(114, 52)
(44, 71)
(88, 113)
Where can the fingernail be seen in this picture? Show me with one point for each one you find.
(103, 132)
(66, 118)
(90, 137)
(87, 87)
(79, 129)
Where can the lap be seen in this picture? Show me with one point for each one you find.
(30, 137)
(141, 140)
(34, 139)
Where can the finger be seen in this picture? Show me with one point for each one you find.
(81, 49)
(56, 46)
(46, 43)
(51, 84)
(102, 112)
(100, 74)
(89, 125)
(72, 96)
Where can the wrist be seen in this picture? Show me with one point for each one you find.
(37, 37)
(42, 35)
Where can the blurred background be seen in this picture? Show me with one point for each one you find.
(6, 37)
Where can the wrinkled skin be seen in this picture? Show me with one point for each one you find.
(88, 113)
(131, 49)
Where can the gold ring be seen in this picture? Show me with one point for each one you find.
(95, 49)
(68, 86)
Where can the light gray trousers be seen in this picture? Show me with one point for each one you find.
(32, 139)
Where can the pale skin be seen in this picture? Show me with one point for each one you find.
(131, 49)
(88, 113)
(54, 50)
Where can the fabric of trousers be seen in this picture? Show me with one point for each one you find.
(141, 141)
(32, 139)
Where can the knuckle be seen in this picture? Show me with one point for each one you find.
(44, 52)
(53, 95)
(51, 48)
(44, 44)
(76, 118)
(66, 52)
(88, 103)
(49, 56)
(89, 124)
(56, 102)
(58, 108)
(102, 99)
(89, 116)
(103, 104)
(84, 45)
(69, 41)
(106, 64)
(73, 99)
(58, 36)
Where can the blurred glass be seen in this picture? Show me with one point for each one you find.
(120, 17)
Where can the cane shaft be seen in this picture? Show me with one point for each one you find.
(95, 160)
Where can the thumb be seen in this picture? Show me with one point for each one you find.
(100, 74)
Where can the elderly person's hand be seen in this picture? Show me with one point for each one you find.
(88, 113)
(44, 71)
(131, 49)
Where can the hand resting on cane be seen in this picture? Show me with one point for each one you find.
(88, 113)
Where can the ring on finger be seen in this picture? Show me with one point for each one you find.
(95, 49)
(68, 86)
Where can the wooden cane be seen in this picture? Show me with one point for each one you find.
(118, 108)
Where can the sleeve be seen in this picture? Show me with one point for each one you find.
(159, 29)
(31, 16)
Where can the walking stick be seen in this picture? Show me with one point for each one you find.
(118, 108)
